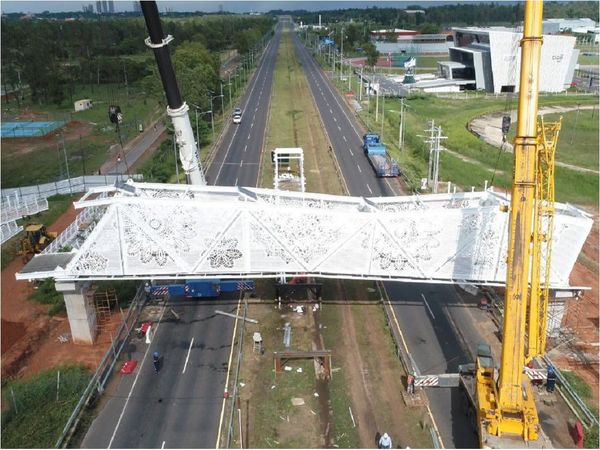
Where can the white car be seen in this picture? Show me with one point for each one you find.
(237, 115)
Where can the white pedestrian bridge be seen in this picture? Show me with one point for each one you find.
(165, 231)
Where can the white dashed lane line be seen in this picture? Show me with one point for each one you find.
(245, 147)
(345, 140)
(351, 152)
(359, 168)
(339, 128)
(369, 188)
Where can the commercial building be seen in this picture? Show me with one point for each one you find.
(414, 44)
(490, 58)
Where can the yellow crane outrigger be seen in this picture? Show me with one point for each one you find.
(506, 412)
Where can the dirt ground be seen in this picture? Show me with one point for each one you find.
(30, 337)
(582, 315)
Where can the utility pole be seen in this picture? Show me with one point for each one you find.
(222, 103)
(377, 104)
(360, 83)
(401, 127)
(434, 155)
(229, 89)
(342, 55)
(382, 114)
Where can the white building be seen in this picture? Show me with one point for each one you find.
(491, 59)
(571, 24)
(82, 105)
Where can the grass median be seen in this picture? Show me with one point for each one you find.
(266, 398)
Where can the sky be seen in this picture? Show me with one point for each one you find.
(209, 6)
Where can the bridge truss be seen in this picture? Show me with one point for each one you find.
(162, 231)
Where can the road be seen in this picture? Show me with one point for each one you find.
(181, 406)
(429, 326)
(133, 150)
(238, 162)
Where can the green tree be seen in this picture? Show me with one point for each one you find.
(372, 54)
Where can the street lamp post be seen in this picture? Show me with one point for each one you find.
(229, 88)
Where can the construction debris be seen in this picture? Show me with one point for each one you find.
(235, 316)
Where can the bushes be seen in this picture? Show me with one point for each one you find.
(46, 294)
(40, 415)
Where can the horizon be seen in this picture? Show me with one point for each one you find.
(239, 6)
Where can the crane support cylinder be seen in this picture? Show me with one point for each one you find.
(177, 109)
(515, 402)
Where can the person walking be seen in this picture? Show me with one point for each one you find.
(156, 361)
(410, 384)
(385, 441)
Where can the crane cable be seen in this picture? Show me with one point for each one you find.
(510, 96)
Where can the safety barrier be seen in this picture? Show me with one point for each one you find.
(69, 237)
(14, 207)
(67, 186)
(105, 368)
(575, 403)
(8, 230)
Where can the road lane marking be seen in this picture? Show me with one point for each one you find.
(334, 119)
(345, 140)
(236, 180)
(248, 136)
(229, 368)
(252, 124)
(339, 128)
(359, 168)
(187, 358)
(245, 147)
(427, 304)
(350, 150)
(163, 444)
(369, 188)
(330, 111)
(241, 162)
(136, 377)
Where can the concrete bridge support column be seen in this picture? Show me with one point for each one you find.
(80, 310)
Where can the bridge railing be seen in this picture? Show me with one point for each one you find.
(105, 369)
(8, 230)
(67, 186)
(14, 207)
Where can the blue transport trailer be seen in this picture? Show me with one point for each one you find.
(383, 164)
(202, 288)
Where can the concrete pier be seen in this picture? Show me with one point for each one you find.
(81, 311)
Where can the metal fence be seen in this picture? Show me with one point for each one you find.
(78, 230)
(68, 186)
(8, 230)
(106, 367)
(572, 399)
(14, 207)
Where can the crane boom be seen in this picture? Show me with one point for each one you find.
(506, 409)
(177, 109)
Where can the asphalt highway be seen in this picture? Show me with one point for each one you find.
(435, 322)
(237, 164)
(181, 406)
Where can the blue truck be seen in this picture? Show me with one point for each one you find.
(382, 163)
(201, 288)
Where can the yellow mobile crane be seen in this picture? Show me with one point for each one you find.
(505, 407)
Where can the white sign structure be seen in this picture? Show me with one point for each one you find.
(179, 231)
(282, 178)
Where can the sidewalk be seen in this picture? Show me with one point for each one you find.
(134, 149)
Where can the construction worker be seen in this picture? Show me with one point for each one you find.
(385, 441)
(156, 361)
(551, 379)
(410, 384)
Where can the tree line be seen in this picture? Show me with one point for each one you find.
(51, 56)
(436, 18)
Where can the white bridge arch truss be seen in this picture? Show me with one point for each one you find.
(163, 231)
